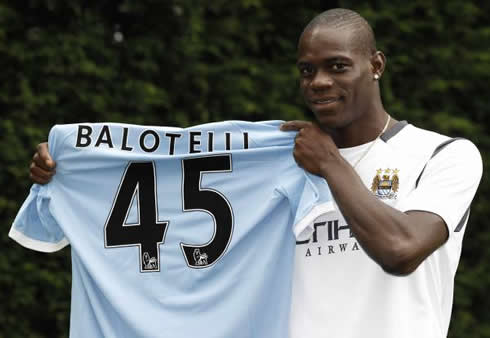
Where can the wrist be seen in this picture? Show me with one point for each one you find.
(334, 165)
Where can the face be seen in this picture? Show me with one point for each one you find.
(336, 79)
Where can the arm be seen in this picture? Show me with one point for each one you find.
(42, 167)
(397, 241)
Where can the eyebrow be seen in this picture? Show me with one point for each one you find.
(329, 60)
(302, 63)
(338, 58)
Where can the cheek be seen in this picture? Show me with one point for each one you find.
(303, 83)
(303, 88)
(359, 89)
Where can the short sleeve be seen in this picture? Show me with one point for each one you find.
(448, 184)
(34, 227)
(309, 197)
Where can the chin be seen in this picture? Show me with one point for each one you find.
(328, 120)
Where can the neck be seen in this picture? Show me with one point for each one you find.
(362, 131)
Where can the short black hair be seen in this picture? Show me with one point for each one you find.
(341, 18)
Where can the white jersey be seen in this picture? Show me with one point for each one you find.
(340, 292)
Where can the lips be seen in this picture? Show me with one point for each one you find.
(324, 100)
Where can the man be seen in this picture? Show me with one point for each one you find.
(384, 267)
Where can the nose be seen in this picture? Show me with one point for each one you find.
(321, 80)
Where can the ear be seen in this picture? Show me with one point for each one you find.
(378, 63)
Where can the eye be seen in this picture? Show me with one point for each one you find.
(305, 70)
(339, 66)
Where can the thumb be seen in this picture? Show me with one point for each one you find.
(295, 125)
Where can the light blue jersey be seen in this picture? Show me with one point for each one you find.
(175, 233)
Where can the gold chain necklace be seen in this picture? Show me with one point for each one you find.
(372, 144)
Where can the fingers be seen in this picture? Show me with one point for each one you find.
(42, 158)
(42, 167)
(39, 175)
(295, 125)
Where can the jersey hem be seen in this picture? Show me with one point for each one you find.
(448, 222)
(303, 229)
(35, 244)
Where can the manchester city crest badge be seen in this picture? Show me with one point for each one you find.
(386, 183)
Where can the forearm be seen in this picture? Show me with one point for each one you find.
(386, 234)
(397, 241)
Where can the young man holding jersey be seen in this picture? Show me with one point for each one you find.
(384, 265)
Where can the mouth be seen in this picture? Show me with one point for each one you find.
(325, 101)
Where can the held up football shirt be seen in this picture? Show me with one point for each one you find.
(175, 233)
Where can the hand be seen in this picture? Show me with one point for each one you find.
(314, 149)
(42, 167)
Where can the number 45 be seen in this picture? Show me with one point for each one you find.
(138, 183)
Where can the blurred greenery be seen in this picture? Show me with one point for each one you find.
(183, 62)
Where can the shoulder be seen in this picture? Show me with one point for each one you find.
(423, 142)
(460, 155)
(412, 137)
(451, 148)
(265, 133)
(450, 155)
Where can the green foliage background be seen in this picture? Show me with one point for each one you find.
(183, 62)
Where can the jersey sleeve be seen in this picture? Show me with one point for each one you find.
(448, 184)
(309, 197)
(34, 227)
